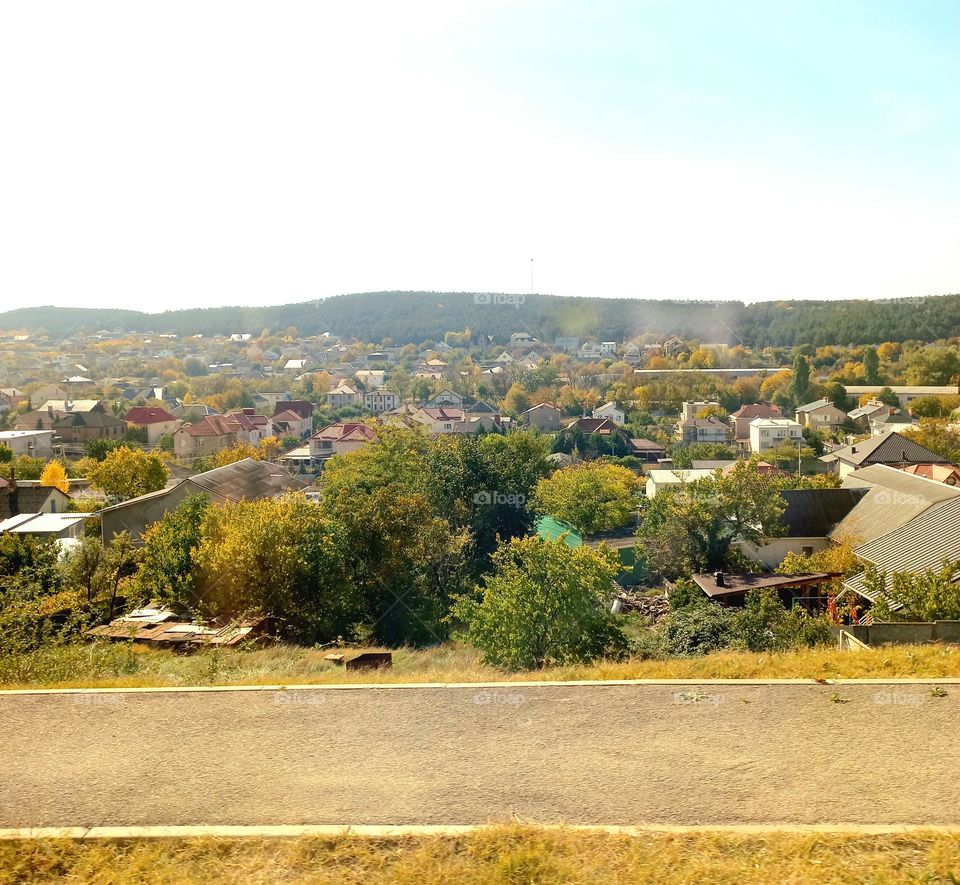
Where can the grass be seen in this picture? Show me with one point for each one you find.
(124, 665)
(513, 856)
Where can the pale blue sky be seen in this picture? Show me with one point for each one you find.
(201, 153)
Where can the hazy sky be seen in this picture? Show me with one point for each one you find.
(161, 155)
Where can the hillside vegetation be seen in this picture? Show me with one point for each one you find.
(414, 317)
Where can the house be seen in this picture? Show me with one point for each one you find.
(744, 415)
(343, 395)
(893, 498)
(702, 430)
(371, 377)
(253, 427)
(860, 417)
(155, 421)
(205, 437)
(78, 428)
(810, 590)
(945, 473)
(770, 433)
(442, 419)
(61, 526)
(303, 407)
(610, 410)
(809, 517)
(380, 400)
(659, 479)
(298, 365)
(567, 343)
(33, 443)
(338, 439)
(446, 397)
(890, 418)
(647, 450)
(889, 448)
(290, 423)
(28, 496)
(923, 543)
(821, 414)
(246, 479)
(691, 409)
(517, 338)
(543, 416)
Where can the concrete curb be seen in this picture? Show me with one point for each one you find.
(381, 686)
(400, 831)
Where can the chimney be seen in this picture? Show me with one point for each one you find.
(853, 450)
(718, 577)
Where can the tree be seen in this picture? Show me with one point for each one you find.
(544, 603)
(280, 557)
(693, 527)
(55, 476)
(100, 448)
(938, 436)
(930, 595)
(169, 547)
(871, 366)
(800, 386)
(593, 497)
(516, 400)
(126, 473)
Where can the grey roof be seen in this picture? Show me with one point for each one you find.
(923, 543)
(812, 513)
(892, 500)
(247, 480)
(888, 448)
(709, 464)
(816, 404)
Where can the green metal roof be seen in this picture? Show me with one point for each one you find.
(551, 529)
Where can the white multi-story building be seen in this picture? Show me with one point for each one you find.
(769, 433)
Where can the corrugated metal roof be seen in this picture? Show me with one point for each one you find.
(247, 480)
(888, 448)
(923, 543)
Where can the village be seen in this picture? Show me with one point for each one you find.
(859, 470)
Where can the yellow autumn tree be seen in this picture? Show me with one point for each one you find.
(55, 476)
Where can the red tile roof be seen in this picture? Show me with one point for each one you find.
(146, 415)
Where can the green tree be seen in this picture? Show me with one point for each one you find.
(126, 473)
(800, 385)
(544, 603)
(693, 527)
(593, 497)
(871, 366)
(929, 595)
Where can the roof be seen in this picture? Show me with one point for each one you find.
(288, 416)
(603, 426)
(347, 430)
(893, 499)
(756, 410)
(246, 479)
(812, 513)
(87, 419)
(712, 464)
(644, 444)
(742, 583)
(819, 404)
(945, 473)
(146, 415)
(212, 425)
(42, 523)
(921, 544)
(887, 448)
(774, 422)
(551, 529)
(711, 422)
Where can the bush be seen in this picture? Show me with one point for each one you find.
(697, 629)
(544, 603)
(763, 624)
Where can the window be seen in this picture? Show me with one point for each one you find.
(807, 551)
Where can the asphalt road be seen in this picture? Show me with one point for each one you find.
(713, 754)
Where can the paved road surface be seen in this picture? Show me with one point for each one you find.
(713, 754)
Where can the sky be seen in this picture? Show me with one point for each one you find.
(202, 153)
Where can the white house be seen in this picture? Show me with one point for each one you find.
(610, 410)
(769, 433)
(380, 400)
(35, 443)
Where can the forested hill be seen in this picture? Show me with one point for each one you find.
(420, 316)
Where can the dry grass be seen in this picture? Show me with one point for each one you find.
(127, 666)
(510, 855)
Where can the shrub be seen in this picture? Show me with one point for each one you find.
(544, 604)
(763, 624)
(697, 629)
